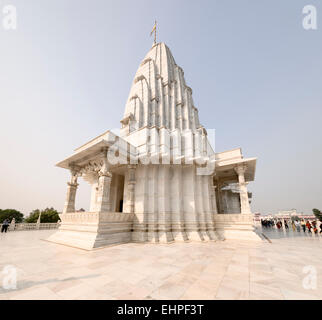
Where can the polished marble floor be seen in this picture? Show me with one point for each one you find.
(220, 270)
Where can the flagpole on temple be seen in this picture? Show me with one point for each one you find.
(154, 29)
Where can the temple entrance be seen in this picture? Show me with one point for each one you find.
(117, 192)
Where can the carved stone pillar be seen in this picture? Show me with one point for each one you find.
(131, 187)
(243, 193)
(104, 186)
(214, 200)
(103, 192)
(220, 207)
(69, 205)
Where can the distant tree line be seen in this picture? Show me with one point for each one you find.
(10, 214)
(48, 215)
(318, 214)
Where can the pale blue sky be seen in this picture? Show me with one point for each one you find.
(256, 75)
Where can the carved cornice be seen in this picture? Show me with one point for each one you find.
(127, 118)
(189, 89)
(92, 167)
(139, 78)
(145, 61)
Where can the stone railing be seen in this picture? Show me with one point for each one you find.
(32, 226)
(95, 217)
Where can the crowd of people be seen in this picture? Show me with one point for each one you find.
(296, 225)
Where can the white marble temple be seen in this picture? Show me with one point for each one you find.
(160, 181)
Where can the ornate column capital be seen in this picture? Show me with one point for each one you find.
(241, 168)
(74, 169)
(75, 172)
(73, 185)
(103, 173)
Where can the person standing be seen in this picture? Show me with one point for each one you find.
(303, 225)
(5, 225)
(285, 224)
(293, 226)
(315, 229)
(308, 225)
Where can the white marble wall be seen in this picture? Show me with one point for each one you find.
(172, 203)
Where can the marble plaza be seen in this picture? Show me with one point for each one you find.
(227, 269)
(160, 180)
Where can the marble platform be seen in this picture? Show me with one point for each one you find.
(213, 270)
(90, 230)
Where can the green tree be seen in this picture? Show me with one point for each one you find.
(48, 215)
(10, 214)
(33, 216)
(318, 214)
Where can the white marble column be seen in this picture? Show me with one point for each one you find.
(131, 187)
(209, 198)
(243, 193)
(104, 186)
(163, 184)
(69, 205)
(103, 192)
(200, 210)
(213, 199)
(177, 217)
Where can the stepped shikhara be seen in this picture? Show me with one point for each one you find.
(160, 180)
(159, 96)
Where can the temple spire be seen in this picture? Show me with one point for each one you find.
(154, 29)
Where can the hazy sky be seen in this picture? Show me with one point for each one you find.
(256, 75)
